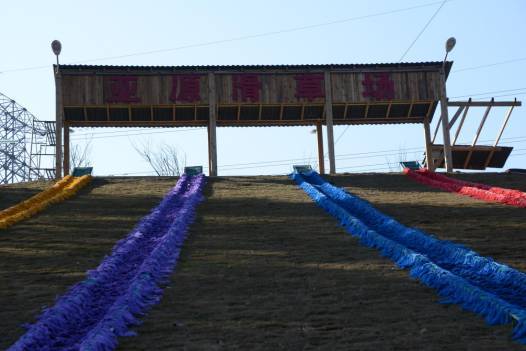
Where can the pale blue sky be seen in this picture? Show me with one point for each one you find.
(487, 32)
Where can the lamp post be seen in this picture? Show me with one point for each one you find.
(56, 46)
(448, 157)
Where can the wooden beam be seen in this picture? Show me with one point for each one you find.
(481, 125)
(484, 103)
(321, 157)
(455, 116)
(457, 133)
(506, 119)
(66, 149)
(429, 146)
(388, 110)
(212, 143)
(436, 129)
(477, 135)
(328, 122)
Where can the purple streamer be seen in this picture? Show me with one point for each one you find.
(96, 311)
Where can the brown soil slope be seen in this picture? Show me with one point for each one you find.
(264, 268)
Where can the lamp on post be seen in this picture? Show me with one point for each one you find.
(56, 46)
(448, 157)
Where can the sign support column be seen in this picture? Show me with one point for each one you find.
(59, 123)
(66, 149)
(321, 157)
(328, 121)
(212, 142)
(448, 157)
(429, 149)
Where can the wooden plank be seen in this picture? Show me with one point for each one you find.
(475, 139)
(499, 135)
(388, 110)
(506, 119)
(457, 133)
(277, 86)
(455, 116)
(484, 103)
(436, 129)
(481, 125)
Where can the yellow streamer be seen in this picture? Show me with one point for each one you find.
(60, 191)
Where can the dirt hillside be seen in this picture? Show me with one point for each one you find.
(264, 268)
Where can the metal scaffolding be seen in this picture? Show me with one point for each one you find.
(26, 144)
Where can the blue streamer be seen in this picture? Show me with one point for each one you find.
(460, 275)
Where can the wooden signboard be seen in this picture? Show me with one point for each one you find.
(248, 95)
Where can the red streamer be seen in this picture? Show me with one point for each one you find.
(484, 192)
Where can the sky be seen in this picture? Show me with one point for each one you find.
(489, 60)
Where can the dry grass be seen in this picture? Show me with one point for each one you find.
(264, 268)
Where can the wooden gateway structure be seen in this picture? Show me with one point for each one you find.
(216, 96)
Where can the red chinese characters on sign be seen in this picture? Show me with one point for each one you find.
(309, 86)
(189, 88)
(378, 86)
(246, 87)
(122, 89)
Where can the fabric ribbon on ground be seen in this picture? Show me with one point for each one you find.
(60, 191)
(479, 191)
(460, 275)
(96, 311)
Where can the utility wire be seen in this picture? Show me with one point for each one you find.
(288, 164)
(489, 93)
(384, 153)
(239, 38)
(423, 30)
(134, 134)
(489, 65)
(504, 95)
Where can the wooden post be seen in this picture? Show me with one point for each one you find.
(66, 149)
(448, 157)
(429, 149)
(328, 122)
(59, 123)
(321, 157)
(212, 143)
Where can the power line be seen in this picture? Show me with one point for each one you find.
(503, 95)
(489, 93)
(134, 134)
(286, 162)
(423, 30)
(342, 133)
(82, 132)
(240, 38)
(489, 65)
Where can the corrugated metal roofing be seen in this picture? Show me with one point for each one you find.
(260, 67)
